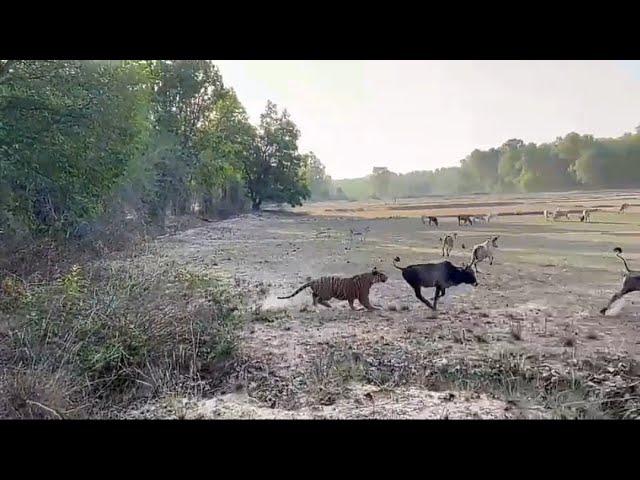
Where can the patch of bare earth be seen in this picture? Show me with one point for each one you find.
(362, 402)
(527, 342)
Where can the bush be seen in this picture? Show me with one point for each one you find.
(96, 340)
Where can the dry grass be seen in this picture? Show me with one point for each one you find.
(481, 337)
(586, 391)
(101, 337)
(515, 330)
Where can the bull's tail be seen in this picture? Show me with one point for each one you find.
(618, 251)
(308, 284)
(397, 259)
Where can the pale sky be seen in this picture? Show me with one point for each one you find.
(421, 115)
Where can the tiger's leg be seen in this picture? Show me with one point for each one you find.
(353, 307)
(364, 300)
(325, 303)
(315, 299)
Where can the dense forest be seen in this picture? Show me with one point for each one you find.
(84, 144)
(571, 162)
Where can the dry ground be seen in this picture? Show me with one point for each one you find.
(527, 342)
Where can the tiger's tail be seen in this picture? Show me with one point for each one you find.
(308, 284)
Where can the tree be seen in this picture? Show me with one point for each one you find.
(186, 92)
(226, 141)
(340, 195)
(69, 131)
(273, 171)
(483, 167)
(317, 179)
(512, 144)
(381, 179)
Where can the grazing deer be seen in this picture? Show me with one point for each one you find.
(560, 214)
(482, 251)
(447, 243)
(430, 220)
(360, 233)
(464, 220)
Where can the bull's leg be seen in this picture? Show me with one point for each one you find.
(442, 291)
(491, 261)
(436, 295)
(617, 296)
(421, 298)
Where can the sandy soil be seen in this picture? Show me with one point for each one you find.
(535, 311)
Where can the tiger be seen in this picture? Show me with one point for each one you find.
(357, 287)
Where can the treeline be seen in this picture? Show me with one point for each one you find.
(84, 142)
(571, 162)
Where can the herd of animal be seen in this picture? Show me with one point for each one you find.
(439, 275)
(558, 214)
(548, 215)
(462, 219)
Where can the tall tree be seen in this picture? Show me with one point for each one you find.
(186, 94)
(317, 179)
(68, 133)
(226, 142)
(381, 179)
(274, 169)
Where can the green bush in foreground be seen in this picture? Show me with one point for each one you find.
(97, 340)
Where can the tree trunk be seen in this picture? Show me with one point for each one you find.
(207, 204)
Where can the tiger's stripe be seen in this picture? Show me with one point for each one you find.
(357, 287)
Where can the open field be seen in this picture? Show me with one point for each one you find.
(527, 342)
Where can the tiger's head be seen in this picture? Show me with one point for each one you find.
(378, 276)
